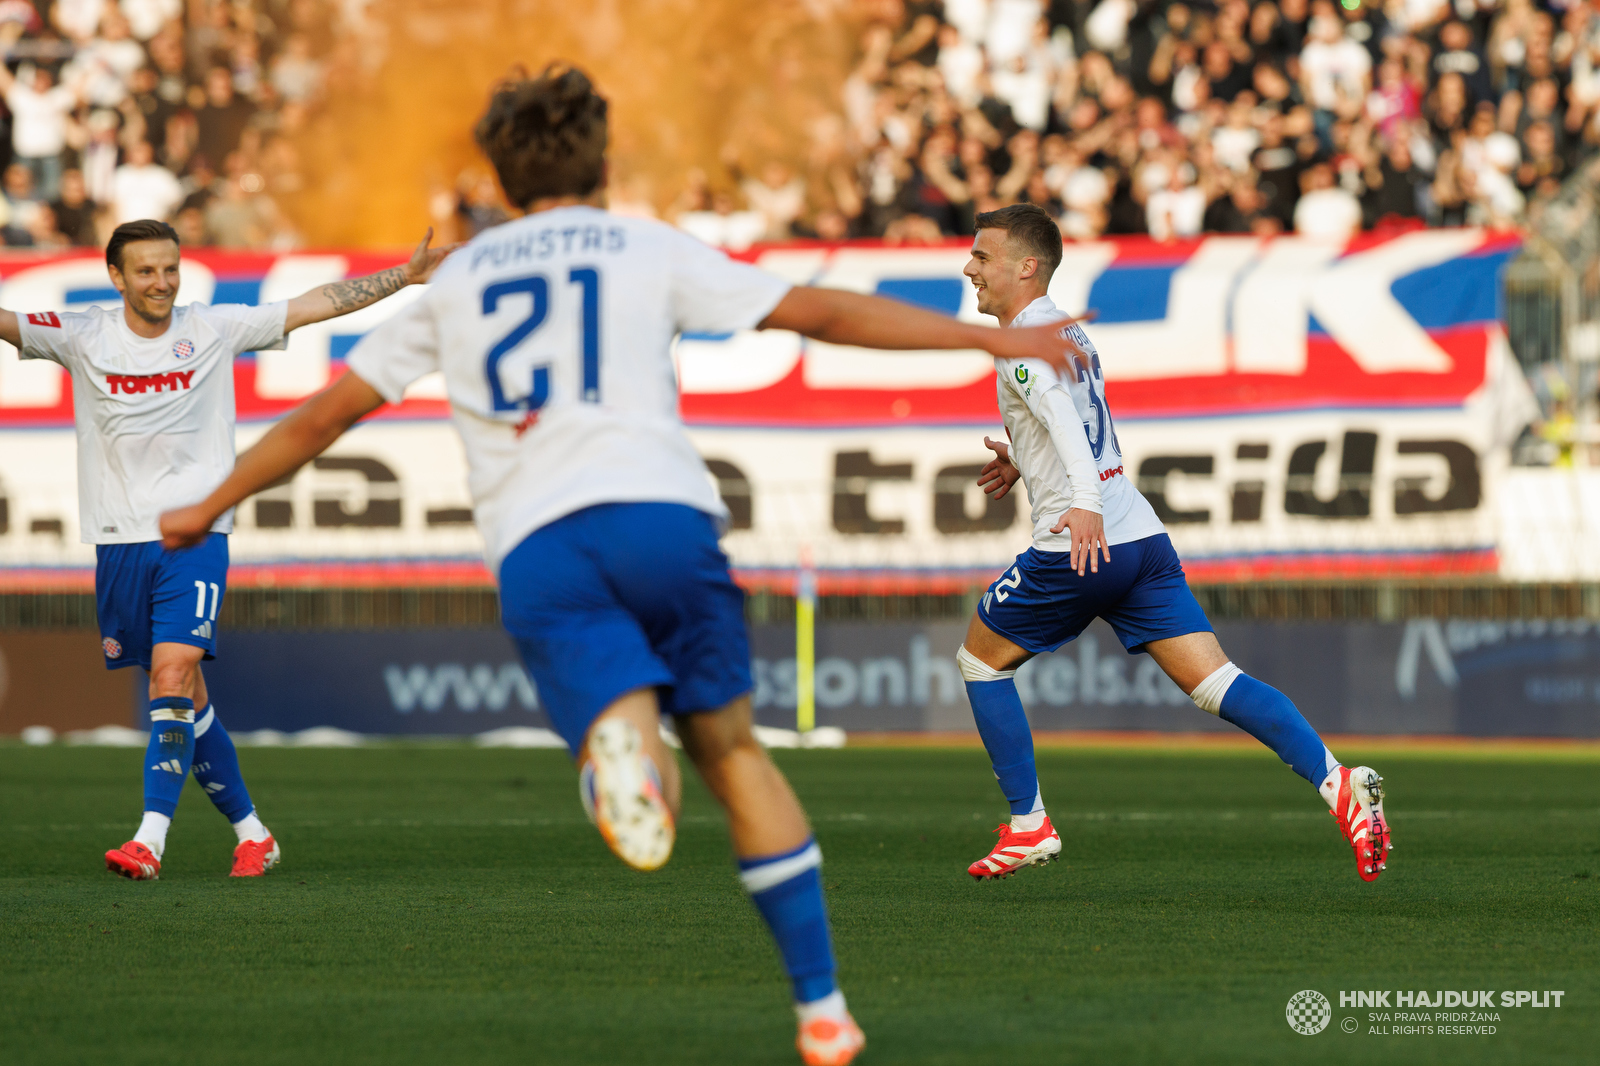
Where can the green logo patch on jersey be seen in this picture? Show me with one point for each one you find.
(1022, 375)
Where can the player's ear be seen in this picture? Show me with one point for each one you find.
(1028, 267)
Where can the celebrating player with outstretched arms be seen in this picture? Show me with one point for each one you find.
(152, 388)
(1064, 446)
(554, 333)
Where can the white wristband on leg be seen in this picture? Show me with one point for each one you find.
(975, 669)
(1207, 695)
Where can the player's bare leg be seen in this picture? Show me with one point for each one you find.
(173, 672)
(216, 768)
(779, 864)
(764, 816)
(1198, 665)
(629, 780)
(988, 664)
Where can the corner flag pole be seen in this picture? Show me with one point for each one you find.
(805, 645)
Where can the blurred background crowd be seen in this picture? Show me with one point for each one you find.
(1176, 117)
(183, 110)
(1160, 117)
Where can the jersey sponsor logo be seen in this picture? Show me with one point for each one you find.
(1107, 475)
(183, 349)
(111, 647)
(138, 384)
(44, 318)
(1022, 375)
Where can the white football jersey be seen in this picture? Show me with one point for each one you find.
(154, 415)
(554, 333)
(1023, 386)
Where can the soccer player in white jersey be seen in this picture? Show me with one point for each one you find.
(1099, 551)
(152, 389)
(554, 334)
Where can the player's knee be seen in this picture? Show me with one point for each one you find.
(172, 679)
(975, 669)
(1207, 695)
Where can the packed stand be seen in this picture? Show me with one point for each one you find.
(180, 110)
(1174, 118)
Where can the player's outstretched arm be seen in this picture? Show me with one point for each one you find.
(302, 435)
(10, 330)
(342, 297)
(840, 317)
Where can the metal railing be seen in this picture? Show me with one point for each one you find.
(268, 609)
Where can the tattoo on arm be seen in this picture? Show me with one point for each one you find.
(359, 292)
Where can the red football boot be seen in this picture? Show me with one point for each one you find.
(1358, 808)
(134, 861)
(252, 858)
(1016, 850)
(829, 1041)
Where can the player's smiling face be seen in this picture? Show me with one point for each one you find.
(148, 279)
(996, 272)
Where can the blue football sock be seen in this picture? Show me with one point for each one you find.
(1272, 718)
(171, 751)
(787, 890)
(1008, 738)
(216, 766)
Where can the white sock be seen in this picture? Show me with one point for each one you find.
(829, 1006)
(1329, 789)
(250, 829)
(1028, 823)
(153, 832)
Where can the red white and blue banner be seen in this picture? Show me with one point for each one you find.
(1293, 408)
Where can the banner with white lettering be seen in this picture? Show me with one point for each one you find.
(1291, 408)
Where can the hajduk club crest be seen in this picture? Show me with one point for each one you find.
(183, 349)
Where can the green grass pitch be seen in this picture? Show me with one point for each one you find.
(441, 904)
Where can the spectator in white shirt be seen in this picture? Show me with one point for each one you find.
(1335, 72)
(1178, 210)
(961, 63)
(142, 188)
(1325, 211)
(296, 74)
(105, 64)
(146, 17)
(39, 110)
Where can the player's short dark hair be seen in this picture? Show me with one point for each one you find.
(1033, 228)
(546, 135)
(146, 229)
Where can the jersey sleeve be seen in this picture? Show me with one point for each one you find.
(714, 294)
(48, 335)
(1037, 385)
(398, 352)
(251, 329)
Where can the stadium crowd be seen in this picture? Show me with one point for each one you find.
(1176, 117)
(183, 110)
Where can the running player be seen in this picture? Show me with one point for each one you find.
(1064, 446)
(554, 333)
(152, 388)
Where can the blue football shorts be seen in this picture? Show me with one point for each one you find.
(623, 596)
(145, 595)
(1041, 602)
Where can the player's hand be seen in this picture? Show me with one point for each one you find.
(425, 260)
(1088, 538)
(1049, 343)
(997, 478)
(185, 527)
